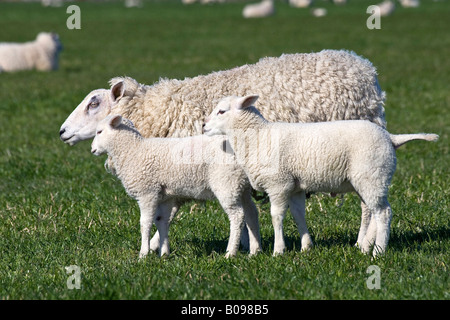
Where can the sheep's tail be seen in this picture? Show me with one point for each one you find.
(400, 139)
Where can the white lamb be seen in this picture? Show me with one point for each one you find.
(162, 173)
(286, 160)
(41, 54)
(261, 9)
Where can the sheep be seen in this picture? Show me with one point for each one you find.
(162, 173)
(300, 3)
(324, 86)
(386, 8)
(288, 159)
(409, 3)
(40, 54)
(319, 12)
(261, 9)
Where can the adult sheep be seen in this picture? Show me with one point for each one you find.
(41, 54)
(324, 86)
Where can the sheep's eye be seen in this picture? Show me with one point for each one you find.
(221, 112)
(99, 131)
(93, 105)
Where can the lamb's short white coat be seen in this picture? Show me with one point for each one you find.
(289, 159)
(41, 54)
(162, 173)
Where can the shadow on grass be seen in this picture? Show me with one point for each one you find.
(397, 241)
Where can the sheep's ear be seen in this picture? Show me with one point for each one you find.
(117, 91)
(115, 121)
(247, 101)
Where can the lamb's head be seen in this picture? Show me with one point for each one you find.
(223, 116)
(107, 132)
(82, 122)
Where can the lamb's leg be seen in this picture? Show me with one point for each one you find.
(155, 242)
(236, 216)
(148, 207)
(366, 216)
(383, 218)
(252, 225)
(278, 207)
(297, 207)
(371, 234)
(162, 221)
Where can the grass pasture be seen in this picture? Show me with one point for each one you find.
(58, 206)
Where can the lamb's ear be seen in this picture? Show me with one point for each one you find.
(117, 91)
(115, 121)
(247, 101)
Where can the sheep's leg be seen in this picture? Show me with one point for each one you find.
(369, 239)
(252, 225)
(162, 221)
(148, 208)
(297, 207)
(155, 241)
(236, 217)
(277, 211)
(383, 218)
(366, 216)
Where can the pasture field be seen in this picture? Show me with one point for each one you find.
(59, 207)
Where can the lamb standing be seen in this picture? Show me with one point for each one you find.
(41, 54)
(162, 173)
(286, 160)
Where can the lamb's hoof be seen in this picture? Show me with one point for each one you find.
(230, 255)
(278, 253)
(254, 252)
(142, 256)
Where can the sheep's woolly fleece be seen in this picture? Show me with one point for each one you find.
(41, 54)
(324, 86)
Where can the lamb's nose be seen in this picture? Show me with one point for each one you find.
(61, 132)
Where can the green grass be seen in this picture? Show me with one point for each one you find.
(58, 206)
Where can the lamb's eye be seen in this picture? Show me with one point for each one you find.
(221, 112)
(99, 131)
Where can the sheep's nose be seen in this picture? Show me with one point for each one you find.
(94, 151)
(61, 132)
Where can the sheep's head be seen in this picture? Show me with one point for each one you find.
(103, 134)
(82, 122)
(221, 118)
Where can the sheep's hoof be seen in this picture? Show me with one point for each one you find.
(230, 255)
(142, 255)
(277, 253)
(254, 252)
